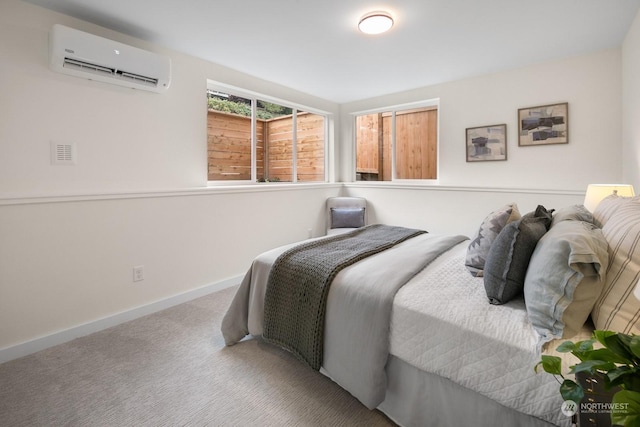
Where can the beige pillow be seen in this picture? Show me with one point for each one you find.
(617, 309)
(608, 206)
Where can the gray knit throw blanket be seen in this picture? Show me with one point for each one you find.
(299, 280)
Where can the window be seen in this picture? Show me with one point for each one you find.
(397, 143)
(253, 139)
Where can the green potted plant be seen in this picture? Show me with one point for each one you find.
(617, 360)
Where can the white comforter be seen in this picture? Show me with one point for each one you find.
(359, 304)
(442, 323)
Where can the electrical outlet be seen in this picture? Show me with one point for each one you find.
(138, 273)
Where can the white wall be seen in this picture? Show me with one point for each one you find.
(554, 176)
(631, 105)
(64, 264)
(591, 85)
(70, 235)
(451, 210)
(126, 139)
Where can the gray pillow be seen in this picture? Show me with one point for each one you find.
(491, 226)
(347, 217)
(508, 259)
(565, 278)
(572, 213)
(541, 212)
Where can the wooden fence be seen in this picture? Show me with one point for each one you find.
(229, 147)
(416, 145)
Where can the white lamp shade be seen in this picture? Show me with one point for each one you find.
(636, 292)
(597, 192)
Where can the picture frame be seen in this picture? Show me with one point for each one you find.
(543, 125)
(486, 143)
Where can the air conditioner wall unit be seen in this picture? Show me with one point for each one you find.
(92, 57)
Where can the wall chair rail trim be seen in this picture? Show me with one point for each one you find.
(118, 195)
(423, 187)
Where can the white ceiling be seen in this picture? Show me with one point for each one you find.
(315, 47)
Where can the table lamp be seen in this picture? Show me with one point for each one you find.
(596, 192)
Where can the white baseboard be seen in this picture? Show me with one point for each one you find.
(60, 337)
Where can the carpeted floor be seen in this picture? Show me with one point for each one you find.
(172, 369)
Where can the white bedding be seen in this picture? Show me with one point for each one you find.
(442, 323)
(359, 304)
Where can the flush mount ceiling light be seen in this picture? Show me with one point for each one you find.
(375, 23)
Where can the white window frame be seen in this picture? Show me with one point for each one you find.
(393, 110)
(254, 97)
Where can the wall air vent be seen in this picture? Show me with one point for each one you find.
(87, 68)
(92, 57)
(136, 78)
(110, 72)
(63, 153)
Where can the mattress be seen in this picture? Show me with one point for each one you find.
(442, 323)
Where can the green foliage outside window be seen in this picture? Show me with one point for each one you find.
(242, 107)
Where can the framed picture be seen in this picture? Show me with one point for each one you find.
(543, 125)
(486, 143)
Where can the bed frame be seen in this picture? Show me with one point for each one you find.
(418, 398)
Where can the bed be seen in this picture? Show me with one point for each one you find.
(410, 330)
